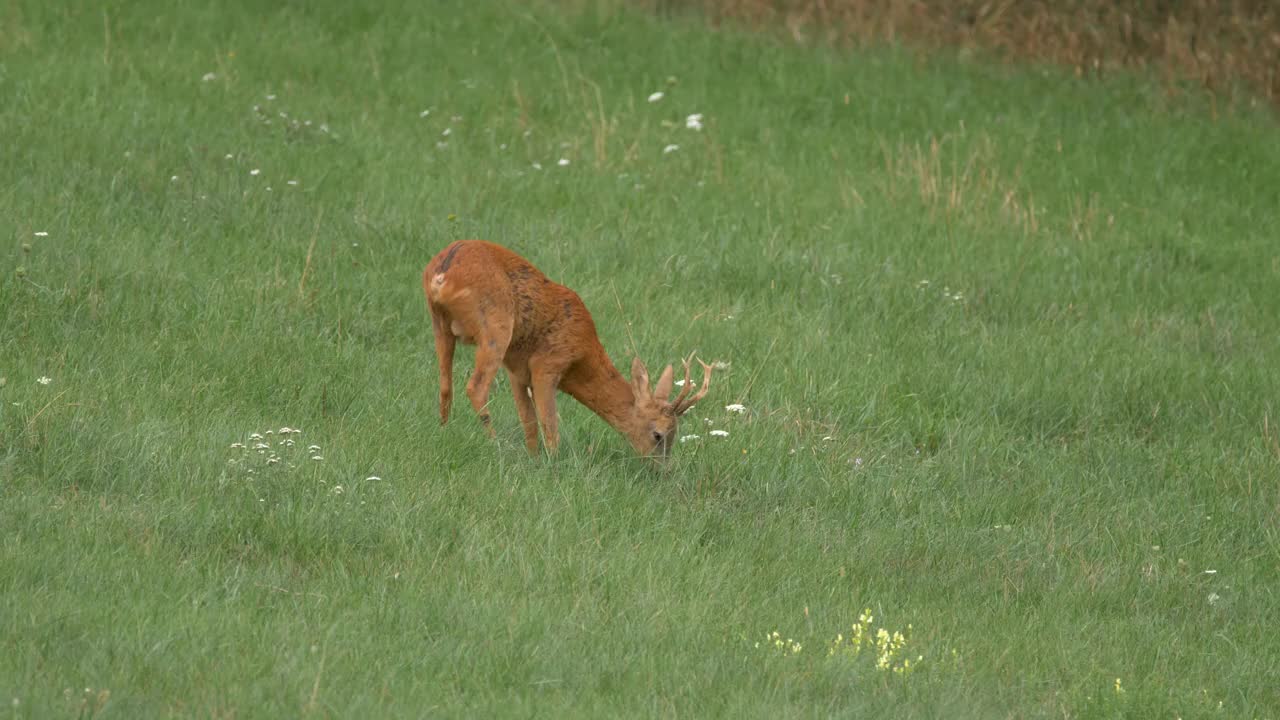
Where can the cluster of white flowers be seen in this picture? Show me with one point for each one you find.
(691, 122)
(267, 446)
(276, 451)
(956, 297)
(732, 408)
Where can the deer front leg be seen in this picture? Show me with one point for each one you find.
(445, 342)
(522, 391)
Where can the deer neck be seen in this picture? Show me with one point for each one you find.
(596, 383)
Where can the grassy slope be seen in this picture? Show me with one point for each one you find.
(1049, 464)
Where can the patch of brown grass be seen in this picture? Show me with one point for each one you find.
(1217, 44)
(958, 180)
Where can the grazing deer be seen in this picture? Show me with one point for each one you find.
(485, 295)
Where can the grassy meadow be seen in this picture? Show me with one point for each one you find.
(1007, 342)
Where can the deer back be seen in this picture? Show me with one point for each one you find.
(477, 276)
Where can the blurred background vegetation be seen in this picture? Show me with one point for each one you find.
(1230, 48)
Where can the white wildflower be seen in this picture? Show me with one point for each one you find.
(237, 446)
(291, 182)
(563, 162)
(260, 447)
(447, 132)
(317, 458)
(313, 448)
(720, 365)
(1214, 598)
(424, 113)
(828, 438)
(372, 478)
(720, 433)
(1210, 572)
(271, 97)
(687, 438)
(44, 380)
(694, 121)
(208, 77)
(670, 149)
(655, 97)
(255, 436)
(537, 166)
(736, 408)
(173, 178)
(228, 156)
(41, 233)
(337, 490)
(255, 171)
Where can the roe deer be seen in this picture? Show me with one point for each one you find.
(483, 294)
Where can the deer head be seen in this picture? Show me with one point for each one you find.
(653, 425)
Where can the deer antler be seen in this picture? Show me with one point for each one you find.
(684, 384)
(681, 405)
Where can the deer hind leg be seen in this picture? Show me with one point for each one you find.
(491, 347)
(445, 342)
(545, 379)
(522, 391)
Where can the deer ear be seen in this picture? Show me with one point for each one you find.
(662, 390)
(639, 378)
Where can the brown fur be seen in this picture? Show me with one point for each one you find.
(483, 294)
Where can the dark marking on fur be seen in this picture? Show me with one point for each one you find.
(568, 309)
(448, 258)
(520, 275)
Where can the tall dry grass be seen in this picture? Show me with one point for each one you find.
(1220, 45)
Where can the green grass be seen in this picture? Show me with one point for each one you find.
(1036, 476)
